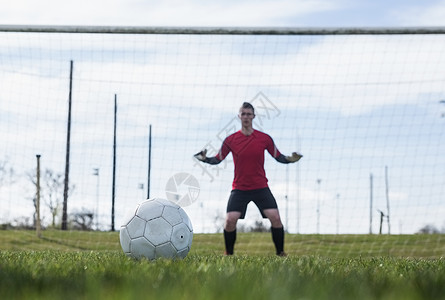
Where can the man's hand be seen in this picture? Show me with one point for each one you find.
(201, 155)
(294, 157)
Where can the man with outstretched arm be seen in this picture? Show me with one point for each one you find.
(250, 183)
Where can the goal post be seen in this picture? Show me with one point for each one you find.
(223, 30)
(353, 101)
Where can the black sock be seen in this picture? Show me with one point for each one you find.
(229, 238)
(278, 238)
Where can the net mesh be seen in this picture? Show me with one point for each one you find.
(366, 111)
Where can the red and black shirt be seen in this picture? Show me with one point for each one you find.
(248, 158)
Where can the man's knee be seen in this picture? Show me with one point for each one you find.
(274, 217)
(231, 220)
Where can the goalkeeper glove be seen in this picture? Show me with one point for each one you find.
(201, 155)
(294, 157)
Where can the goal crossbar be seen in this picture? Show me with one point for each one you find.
(224, 30)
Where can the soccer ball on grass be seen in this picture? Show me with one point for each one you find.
(156, 228)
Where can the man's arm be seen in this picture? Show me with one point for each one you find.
(272, 149)
(201, 156)
(289, 159)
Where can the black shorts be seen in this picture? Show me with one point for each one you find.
(263, 199)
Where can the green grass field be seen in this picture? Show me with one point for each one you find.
(91, 265)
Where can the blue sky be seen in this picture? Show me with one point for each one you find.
(293, 13)
(351, 105)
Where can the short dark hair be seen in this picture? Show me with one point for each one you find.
(248, 105)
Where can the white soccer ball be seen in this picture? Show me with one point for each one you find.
(156, 228)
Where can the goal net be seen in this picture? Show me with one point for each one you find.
(365, 108)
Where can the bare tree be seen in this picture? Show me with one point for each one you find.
(52, 188)
(218, 221)
(259, 226)
(428, 229)
(7, 173)
(53, 184)
(82, 220)
(7, 177)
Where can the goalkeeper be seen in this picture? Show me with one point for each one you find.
(250, 183)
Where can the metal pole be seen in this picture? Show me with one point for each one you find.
(381, 221)
(67, 159)
(318, 207)
(370, 205)
(149, 162)
(96, 173)
(338, 213)
(387, 199)
(38, 198)
(141, 187)
(297, 180)
(287, 197)
(114, 164)
(223, 30)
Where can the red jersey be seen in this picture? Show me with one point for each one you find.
(248, 157)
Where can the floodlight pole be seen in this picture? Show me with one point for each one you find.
(96, 173)
(287, 197)
(38, 229)
(318, 206)
(382, 215)
(149, 162)
(370, 204)
(387, 199)
(141, 187)
(114, 164)
(67, 158)
(297, 180)
(338, 213)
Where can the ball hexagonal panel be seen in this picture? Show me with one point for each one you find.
(141, 247)
(136, 227)
(125, 239)
(158, 231)
(181, 236)
(166, 250)
(149, 210)
(172, 215)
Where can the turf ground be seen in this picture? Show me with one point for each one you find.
(90, 265)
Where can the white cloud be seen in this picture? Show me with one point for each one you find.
(288, 13)
(161, 13)
(235, 13)
(179, 82)
(421, 15)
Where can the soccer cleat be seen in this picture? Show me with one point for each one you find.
(282, 254)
